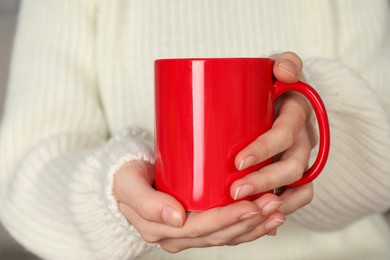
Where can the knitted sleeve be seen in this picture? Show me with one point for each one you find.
(356, 179)
(56, 166)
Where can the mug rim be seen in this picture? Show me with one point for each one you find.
(212, 59)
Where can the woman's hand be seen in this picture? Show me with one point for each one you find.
(160, 218)
(291, 139)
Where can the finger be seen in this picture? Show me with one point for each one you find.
(272, 232)
(292, 115)
(149, 231)
(268, 203)
(222, 228)
(289, 169)
(132, 187)
(231, 233)
(210, 221)
(218, 238)
(213, 220)
(204, 223)
(287, 67)
(197, 224)
(296, 198)
(266, 227)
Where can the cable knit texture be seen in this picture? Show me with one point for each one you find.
(80, 104)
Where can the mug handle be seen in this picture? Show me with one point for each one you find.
(323, 124)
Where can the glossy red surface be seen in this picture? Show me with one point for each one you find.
(207, 110)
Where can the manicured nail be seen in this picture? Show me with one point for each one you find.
(246, 162)
(243, 191)
(249, 215)
(171, 217)
(270, 207)
(273, 223)
(288, 68)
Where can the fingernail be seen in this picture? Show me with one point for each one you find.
(272, 233)
(288, 68)
(270, 207)
(273, 223)
(243, 191)
(249, 215)
(171, 217)
(246, 162)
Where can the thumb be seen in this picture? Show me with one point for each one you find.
(133, 187)
(287, 67)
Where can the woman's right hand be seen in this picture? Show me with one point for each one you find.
(160, 218)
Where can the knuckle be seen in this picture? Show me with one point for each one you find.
(287, 135)
(309, 200)
(267, 184)
(249, 205)
(250, 225)
(194, 233)
(266, 149)
(308, 194)
(312, 134)
(296, 168)
(259, 231)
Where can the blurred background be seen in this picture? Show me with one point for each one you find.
(9, 249)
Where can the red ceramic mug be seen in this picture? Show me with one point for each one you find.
(207, 110)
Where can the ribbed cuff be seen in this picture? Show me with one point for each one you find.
(94, 207)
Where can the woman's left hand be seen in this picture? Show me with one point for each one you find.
(291, 139)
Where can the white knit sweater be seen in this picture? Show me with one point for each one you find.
(80, 104)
